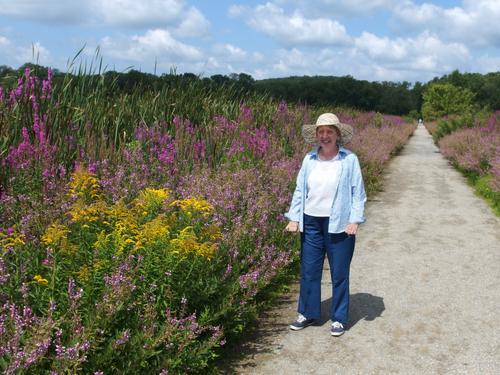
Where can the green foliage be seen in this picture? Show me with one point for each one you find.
(126, 280)
(448, 126)
(386, 97)
(483, 188)
(95, 110)
(486, 88)
(414, 115)
(441, 100)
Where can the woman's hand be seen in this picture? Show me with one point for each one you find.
(292, 226)
(351, 229)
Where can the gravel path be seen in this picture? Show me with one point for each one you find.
(425, 285)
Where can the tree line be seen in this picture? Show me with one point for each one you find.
(398, 98)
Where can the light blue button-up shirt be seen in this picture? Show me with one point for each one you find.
(349, 201)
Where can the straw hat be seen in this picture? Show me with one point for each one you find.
(309, 130)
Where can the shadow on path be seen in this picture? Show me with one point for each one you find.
(361, 306)
(259, 338)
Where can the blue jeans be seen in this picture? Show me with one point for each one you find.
(339, 247)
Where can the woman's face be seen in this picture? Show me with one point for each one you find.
(327, 135)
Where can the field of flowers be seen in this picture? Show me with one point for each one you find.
(473, 146)
(141, 233)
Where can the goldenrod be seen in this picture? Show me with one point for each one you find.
(55, 234)
(84, 184)
(194, 204)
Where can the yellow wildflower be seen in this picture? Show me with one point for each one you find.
(151, 199)
(98, 265)
(83, 273)
(101, 241)
(194, 204)
(85, 213)
(207, 250)
(84, 184)
(156, 195)
(11, 239)
(55, 234)
(124, 220)
(152, 231)
(124, 233)
(186, 242)
(40, 280)
(213, 232)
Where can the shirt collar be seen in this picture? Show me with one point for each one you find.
(341, 154)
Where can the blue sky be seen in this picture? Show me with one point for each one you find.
(376, 40)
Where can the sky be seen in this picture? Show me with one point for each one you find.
(374, 40)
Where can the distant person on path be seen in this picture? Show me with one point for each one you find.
(327, 208)
(420, 122)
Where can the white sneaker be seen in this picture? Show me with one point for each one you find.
(337, 329)
(301, 322)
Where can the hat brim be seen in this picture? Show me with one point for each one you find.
(346, 132)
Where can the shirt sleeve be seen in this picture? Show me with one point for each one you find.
(293, 213)
(358, 194)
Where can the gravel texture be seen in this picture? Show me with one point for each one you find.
(425, 285)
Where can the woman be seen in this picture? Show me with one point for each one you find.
(327, 208)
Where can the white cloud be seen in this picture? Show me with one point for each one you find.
(293, 29)
(475, 23)
(361, 6)
(339, 7)
(4, 42)
(193, 23)
(35, 53)
(62, 11)
(181, 20)
(237, 10)
(375, 58)
(160, 41)
(230, 52)
(426, 52)
(154, 44)
(212, 64)
(291, 60)
(174, 14)
(12, 54)
(295, 61)
(259, 73)
(424, 38)
(129, 12)
(228, 58)
(382, 48)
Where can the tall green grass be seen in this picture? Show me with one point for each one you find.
(87, 108)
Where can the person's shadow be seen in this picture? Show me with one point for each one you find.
(361, 306)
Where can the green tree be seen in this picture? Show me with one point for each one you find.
(446, 99)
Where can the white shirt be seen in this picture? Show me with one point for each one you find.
(321, 185)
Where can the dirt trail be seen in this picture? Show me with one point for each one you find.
(425, 285)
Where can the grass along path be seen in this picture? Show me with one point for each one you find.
(424, 285)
